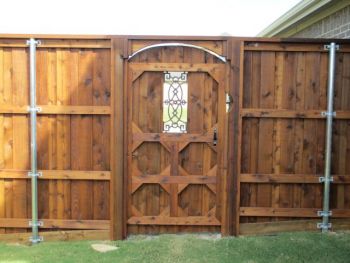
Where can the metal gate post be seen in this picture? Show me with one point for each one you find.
(327, 179)
(33, 109)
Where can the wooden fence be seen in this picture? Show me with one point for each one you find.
(74, 93)
(263, 176)
(284, 93)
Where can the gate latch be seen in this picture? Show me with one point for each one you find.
(215, 137)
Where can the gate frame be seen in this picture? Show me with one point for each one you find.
(120, 56)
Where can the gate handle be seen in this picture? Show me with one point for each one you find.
(215, 137)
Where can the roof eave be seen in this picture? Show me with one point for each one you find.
(297, 13)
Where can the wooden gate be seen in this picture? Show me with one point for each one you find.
(176, 129)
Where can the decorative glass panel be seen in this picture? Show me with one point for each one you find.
(175, 97)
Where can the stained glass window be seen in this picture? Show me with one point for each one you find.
(175, 102)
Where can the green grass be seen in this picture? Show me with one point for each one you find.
(291, 247)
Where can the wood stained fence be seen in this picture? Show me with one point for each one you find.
(271, 141)
(284, 93)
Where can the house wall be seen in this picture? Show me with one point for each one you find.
(336, 25)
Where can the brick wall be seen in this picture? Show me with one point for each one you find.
(336, 25)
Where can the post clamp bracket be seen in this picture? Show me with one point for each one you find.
(34, 109)
(327, 113)
(324, 226)
(38, 223)
(36, 240)
(323, 179)
(38, 174)
(36, 42)
(324, 213)
(327, 47)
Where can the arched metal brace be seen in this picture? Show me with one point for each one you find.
(176, 44)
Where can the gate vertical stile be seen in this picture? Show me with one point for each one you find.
(128, 143)
(125, 187)
(228, 190)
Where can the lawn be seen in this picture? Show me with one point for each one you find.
(291, 247)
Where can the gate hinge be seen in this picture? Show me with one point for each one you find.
(38, 223)
(324, 213)
(327, 47)
(324, 226)
(229, 99)
(38, 174)
(323, 179)
(327, 113)
(229, 102)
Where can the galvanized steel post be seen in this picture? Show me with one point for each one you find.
(327, 179)
(33, 109)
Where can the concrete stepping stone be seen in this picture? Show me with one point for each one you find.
(103, 248)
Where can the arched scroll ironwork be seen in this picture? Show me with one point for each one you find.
(222, 58)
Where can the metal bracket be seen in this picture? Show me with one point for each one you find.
(37, 42)
(323, 179)
(34, 109)
(324, 226)
(324, 213)
(38, 174)
(228, 99)
(326, 113)
(38, 223)
(229, 102)
(36, 240)
(327, 47)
